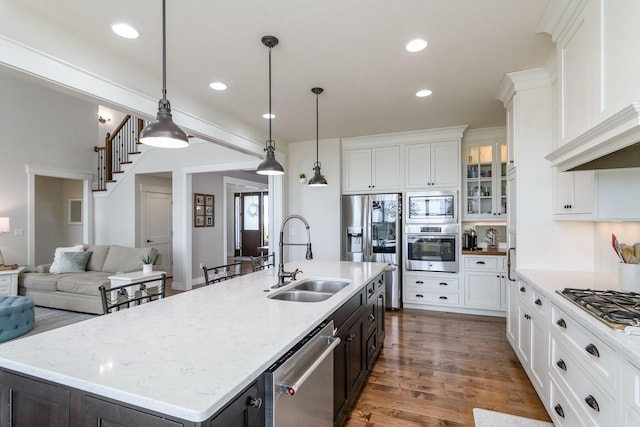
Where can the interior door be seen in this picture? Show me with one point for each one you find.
(250, 223)
(157, 227)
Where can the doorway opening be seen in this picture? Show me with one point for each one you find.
(251, 223)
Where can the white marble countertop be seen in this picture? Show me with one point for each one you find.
(549, 282)
(189, 354)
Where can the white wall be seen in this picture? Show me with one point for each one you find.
(40, 127)
(320, 206)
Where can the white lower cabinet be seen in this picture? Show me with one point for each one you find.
(427, 288)
(484, 282)
(585, 369)
(531, 335)
(630, 395)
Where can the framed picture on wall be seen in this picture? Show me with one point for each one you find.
(203, 210)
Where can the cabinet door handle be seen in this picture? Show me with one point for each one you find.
(523, 289)
(537, 301)
(561, 323)
(592, 402)
(592, 350)
(526, 316)
(255, 402)
(371, 291)
(443, 284)
(373, 349)
(561, 365)
(480, 262)
(443, 297)
(372, 318)
(419, 296)
(559, 410)
(419, 282)
(350, 337)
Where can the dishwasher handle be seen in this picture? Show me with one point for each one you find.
(293, 388)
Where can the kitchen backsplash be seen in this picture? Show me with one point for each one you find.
(606, 261)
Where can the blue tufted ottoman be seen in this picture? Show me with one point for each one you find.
(16, 316)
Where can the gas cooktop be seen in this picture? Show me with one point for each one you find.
(615, 308)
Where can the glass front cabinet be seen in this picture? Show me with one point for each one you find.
(485, 181)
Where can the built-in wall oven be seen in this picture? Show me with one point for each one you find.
(431, 247)
(431, 207)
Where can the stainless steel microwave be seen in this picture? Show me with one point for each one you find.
(425, 207)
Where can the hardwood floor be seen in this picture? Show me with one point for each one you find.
(436, 367)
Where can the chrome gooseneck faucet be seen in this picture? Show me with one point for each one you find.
(309, 255)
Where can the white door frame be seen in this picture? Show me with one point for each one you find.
(87, 206)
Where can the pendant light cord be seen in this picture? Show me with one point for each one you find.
(164, 52)
(270, 141)
(317, 131)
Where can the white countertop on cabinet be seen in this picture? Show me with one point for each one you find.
(189, 354)
(549, 282)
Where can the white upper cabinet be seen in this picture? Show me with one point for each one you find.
(372, 169)
(429, 158)
(432, 165)
(484, 175)
(598, 64)
(573, 195)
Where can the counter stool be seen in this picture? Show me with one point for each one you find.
(16, 316)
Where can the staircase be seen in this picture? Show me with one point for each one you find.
(118, 150)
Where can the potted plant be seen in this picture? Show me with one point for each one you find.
(303, 178)
(147, 264)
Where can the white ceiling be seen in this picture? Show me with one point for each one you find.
(354, 49)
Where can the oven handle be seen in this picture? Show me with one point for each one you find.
(290, 390)
(423, 235)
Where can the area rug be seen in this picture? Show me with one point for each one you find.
(49, 318)
(486, 418)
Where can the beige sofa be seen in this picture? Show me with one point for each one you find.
(80, 291)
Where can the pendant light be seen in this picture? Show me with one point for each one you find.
(318, 180)
(163, 132)
(270, 165)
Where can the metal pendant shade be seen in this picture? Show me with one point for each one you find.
(163, 132)
(318, 180)
(270, 165)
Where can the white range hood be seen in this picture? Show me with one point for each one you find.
(612, 144)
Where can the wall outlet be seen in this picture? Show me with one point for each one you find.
(200, 266)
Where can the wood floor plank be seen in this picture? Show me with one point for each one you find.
(436, 367)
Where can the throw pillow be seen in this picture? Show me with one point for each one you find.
(74, 262)
(55, 265)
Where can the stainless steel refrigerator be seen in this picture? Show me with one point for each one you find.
(371, 230)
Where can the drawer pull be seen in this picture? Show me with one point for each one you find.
(592, 402)
(562, 323)
(419, 296)
(255, 402)
(372, 318)
(559, 410)
(480, 262)
(561, 365)
(419, 282)
(350, 337)
(523, 289)
(593, 350)
(537, 301)
(443, 297)
(443, 284)
(371, 291)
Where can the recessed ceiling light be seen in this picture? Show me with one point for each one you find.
(125, 30)
(422, 93)
(416, 45)
(218, 86)
(269, 116)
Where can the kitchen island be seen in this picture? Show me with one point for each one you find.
(188, 355)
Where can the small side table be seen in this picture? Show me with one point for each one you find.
(135, 277)
(9, 281)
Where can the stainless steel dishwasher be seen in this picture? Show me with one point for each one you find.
(299, 386)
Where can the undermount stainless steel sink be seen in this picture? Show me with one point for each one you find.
(321, 285)
(311, 290)
(301, 296)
